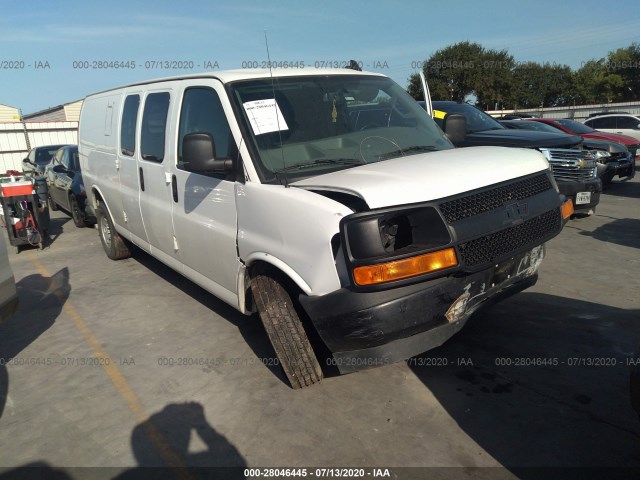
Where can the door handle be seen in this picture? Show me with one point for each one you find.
(174, 188)
(141, 180)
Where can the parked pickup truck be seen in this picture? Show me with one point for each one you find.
(573, 168)
(325, 200)
(612, 158)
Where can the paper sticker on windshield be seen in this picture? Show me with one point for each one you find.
(439, 114)
(265, 116)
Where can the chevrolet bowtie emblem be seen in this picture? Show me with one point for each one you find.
(516, 212)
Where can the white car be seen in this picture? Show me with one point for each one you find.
(624, 124)
(8, 293)
(327, 200)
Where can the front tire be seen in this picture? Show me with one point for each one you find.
(114, 245)
(285, 330)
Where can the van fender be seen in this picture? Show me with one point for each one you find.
(95, 193)
(280, 265)
(291, 229)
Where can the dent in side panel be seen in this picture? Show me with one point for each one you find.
(293, 225)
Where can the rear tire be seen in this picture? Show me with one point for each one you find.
(285, 329)
(52, 205)
(76, 214)
(114, 245)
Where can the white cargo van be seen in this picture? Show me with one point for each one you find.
(327, 200)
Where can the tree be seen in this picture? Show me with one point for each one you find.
(492, 76)
(464, 69)
(624, 64)
(595, 83)
(451, 71)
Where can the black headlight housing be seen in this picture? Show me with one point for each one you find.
(392, 234)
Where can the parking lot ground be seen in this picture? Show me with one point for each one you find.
(127, 364)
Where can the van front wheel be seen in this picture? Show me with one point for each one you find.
(114, 245)
(285, 330)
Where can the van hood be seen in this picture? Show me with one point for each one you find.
(428, 176)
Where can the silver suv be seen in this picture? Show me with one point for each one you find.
(624, 124)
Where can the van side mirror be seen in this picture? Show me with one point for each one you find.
(199, 152)
(455, 127)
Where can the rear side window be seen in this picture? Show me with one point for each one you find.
(202, 113)
(128, 125)
(627, 122)
(44, 156)
(607, 122)
(154, 126)
(74, 160)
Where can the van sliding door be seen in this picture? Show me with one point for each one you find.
(154, 179)
(128, 149)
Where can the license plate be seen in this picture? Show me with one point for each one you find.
(583, 197)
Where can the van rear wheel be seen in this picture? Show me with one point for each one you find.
(114, 245)
(285, 330)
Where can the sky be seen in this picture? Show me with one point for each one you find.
(54, 51)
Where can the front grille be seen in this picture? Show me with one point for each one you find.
(502, 244)
(488, 200)
(570, 164)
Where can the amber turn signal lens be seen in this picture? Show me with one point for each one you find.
(567, 209)
(408, 267)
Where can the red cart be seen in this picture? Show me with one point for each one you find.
(24, 212)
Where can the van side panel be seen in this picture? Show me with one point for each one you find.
(97, 146)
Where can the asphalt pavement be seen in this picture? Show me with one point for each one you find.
(123, 365)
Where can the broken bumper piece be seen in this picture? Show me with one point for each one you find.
(364, 330)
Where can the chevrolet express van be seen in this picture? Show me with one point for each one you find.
(326, 200)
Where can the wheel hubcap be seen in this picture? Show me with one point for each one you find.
(106, 232)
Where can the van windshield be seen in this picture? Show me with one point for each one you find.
(308, 125)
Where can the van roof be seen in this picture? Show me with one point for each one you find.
(227, 76)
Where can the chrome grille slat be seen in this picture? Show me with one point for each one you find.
(571, 164)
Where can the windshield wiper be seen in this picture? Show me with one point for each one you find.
(320, 161)
(402, 151)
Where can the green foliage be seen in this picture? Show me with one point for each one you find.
(494, 78)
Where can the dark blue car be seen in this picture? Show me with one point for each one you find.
(66, 188)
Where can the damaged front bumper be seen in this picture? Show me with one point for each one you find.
(368, 329)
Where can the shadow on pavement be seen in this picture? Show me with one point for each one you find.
(34, 471)
(623, 231)
(624, 189)
(41, 300)
(541, 381)
(56, 228)
(164, 447)
(250, 328)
